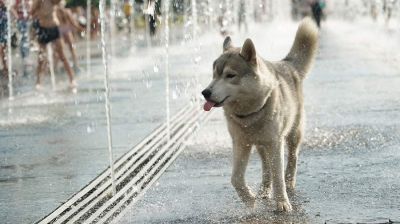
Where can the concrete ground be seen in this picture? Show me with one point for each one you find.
(349, 163)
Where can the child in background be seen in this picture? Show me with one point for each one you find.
(3, 36)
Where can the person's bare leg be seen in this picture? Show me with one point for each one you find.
(4, 60)
(41, 64)
(55, 60)
(69, 40)
(58, 44)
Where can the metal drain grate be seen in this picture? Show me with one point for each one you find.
(135, 172)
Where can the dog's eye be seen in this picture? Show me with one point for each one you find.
(230, 76)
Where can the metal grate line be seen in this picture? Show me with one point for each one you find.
(136, 171)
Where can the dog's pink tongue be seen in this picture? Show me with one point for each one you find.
(208, 105)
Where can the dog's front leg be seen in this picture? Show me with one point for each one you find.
(241, 153)
(266, 187)
(276, 156)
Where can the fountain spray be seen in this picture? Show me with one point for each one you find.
(112, 30)
(50, 57)
(102, 8)
(194, 19)
(209, 14)
(166, 13)
(88, 30)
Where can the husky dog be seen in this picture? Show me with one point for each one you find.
(263, 106)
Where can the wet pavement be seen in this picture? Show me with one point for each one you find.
(350, 160)
(54, 142)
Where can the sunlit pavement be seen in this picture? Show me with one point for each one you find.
(349, 164)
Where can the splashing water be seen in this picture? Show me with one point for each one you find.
(194, 19)
(89, 129)
(88, 30)
(147, 80)
(112, 29)
(166, 8)
(209, 14)
(155, 69)
(51, 66)
(102, 9)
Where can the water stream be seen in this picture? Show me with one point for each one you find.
(209, 14)
(88, 35)
(194, 19)
(50, 58)
(146, 23)
(166, 12)
(112, 30)
(102, 9)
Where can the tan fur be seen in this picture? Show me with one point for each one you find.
(263, 105)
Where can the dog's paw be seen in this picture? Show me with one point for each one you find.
(250, 202)
(248, 198)
(290, 185)
(283, 206)
(264, 193)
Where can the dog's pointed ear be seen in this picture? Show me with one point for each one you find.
(227, 44)
(248, 52)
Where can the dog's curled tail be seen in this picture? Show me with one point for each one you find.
(305, 46)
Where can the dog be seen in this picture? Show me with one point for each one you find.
(263, 106)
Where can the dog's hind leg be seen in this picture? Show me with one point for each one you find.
(293, 141)
(265, 191)
(275, 155)
(241, 153)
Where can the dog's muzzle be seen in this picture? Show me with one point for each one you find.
(206, 93)
(211, 103)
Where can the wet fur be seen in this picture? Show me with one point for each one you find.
(263, 106)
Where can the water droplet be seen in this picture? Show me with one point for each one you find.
(197, 59)
(156, 69)
(174, 95)
(78, 113)
(89, 129)
(133, 95)
(149, 84)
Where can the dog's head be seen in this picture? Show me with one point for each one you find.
(240, 80)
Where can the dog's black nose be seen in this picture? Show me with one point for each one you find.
(206, 93)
